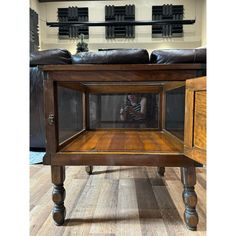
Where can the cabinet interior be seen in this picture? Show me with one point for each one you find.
(90, 117)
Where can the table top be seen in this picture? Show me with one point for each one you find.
(123, 72)
(122, 67)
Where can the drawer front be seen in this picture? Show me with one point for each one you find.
(195, 120)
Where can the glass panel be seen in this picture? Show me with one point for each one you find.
(70, 112)
(175, 103)
(124, 110)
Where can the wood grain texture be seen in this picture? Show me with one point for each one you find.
(123, 88)
(110, 202)
(124, 141)
(58, 194)
(112, 87)
(195, 120)
(160, 110)
(75, 86)
(122, 159)
(188, 119)
(123, 76)
(196, 83)
(120, 73)
(69, 140)
(188, 178)
(173, 85)
(122, 67)
(200, 120)
(198, 154)
(120, 147)
(50, 109)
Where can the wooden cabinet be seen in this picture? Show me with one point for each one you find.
(195, 120)
(100, 140)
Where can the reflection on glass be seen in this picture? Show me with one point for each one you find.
(174, 117)
(70, 112)
(124, 110)
(134, 108)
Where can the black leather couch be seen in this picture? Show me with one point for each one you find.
(46, 57)
(104, 56)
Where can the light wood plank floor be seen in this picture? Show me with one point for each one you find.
(115, 201)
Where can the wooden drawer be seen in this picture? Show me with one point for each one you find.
(195, 120)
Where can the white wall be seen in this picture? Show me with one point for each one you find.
(143, 39)
(204, 39)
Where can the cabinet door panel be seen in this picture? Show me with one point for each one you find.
(195, 120)
(188, 119)
(200, 120)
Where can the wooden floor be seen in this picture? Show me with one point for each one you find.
(115, 201)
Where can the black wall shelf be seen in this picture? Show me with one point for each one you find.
(116, 23)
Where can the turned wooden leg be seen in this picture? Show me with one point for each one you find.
(161, 170)
(89, 169)
(188, 178)
(58, 194)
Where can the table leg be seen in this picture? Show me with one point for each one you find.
(89, 169)
(58, 194)
(188, 178)
(161, 170)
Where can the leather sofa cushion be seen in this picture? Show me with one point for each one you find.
(110, 56)
(37, 133)
(171, 56)
(50, 57)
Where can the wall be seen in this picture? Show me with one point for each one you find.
(204, 39)
(143, 11)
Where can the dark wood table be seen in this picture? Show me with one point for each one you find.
(124, 147)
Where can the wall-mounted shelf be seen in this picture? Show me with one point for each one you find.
(119, 23)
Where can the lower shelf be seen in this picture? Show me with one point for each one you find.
(135, 142)
(122, 148)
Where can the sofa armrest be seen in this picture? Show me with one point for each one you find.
(50, 57)
(172, 56)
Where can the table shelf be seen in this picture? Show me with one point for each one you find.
(123, 141)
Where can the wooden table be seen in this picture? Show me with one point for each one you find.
(126, 147)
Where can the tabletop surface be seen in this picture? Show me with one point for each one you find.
(122, 67)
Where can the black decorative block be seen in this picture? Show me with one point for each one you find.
(167, 12)
(120, 13)
(72, 14)
(34, 31)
